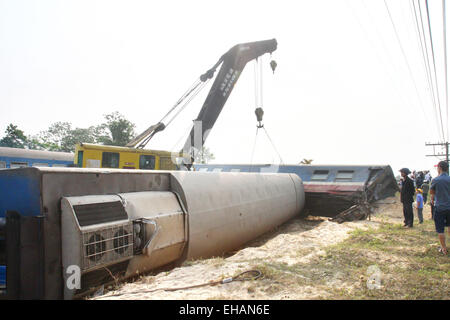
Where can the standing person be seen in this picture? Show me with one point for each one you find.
(419, 179)
(412, 176)
(419, 204)
(407, 197)
(440, 198)
(425, 188)
(428, 176)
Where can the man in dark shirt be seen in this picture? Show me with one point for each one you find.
(407, 197)
(425, 188)
(440, 198)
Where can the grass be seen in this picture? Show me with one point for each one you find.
(409, 265)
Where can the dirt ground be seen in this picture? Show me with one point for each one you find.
(298, 242)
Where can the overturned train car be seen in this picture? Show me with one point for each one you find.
(67, 231)
(329, 189)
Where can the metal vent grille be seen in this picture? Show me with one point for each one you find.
(96, 213)
(106, 245)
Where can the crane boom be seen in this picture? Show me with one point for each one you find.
(232, 63)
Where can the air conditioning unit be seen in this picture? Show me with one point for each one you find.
(108, 237)
(97, 236)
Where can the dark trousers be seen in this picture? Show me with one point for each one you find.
(425, 196)
(408, 213)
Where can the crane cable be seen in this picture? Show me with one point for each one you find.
(259, 106)
(191, 93)
(194, 86)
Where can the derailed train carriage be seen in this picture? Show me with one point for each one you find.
(67, 231)
(329, 189)
(20, 158)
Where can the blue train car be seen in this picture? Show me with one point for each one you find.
(19, 158)
(329, 189)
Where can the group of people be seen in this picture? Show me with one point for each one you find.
(420, 184)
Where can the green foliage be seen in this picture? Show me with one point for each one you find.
(60, 136)
(204, 156)
(14, 138)
(52, 138)
(117, 130)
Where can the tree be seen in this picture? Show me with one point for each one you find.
(14, 138)
(61, 137)
(52, 138)
(117, 130)
(204, 156)
(78, 135)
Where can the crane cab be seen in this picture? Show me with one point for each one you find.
(101, 156)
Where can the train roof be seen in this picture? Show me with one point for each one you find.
(292, 165)
(35, 154)
(309, 172)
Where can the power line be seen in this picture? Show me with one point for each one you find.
(434, 65)
(389, 64)
(429, 68)
(445, 59)
(425, 62)
(404, 56)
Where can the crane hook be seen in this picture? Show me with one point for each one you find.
(259, 117)
(273, 65)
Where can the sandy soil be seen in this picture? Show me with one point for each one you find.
(295, 242)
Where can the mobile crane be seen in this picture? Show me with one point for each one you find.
(231, 63)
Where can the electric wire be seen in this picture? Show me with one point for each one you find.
(426, 62)
(445, 58)
(434, 66)
(436, 111)
(427, 71)
(381, 39)
(405, 57)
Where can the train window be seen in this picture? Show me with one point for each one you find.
(344, 175)
(217, 170)
(147, 162)
(235, 170)
(2, 164)
(37, 164)
(19, 164)
(320, 175)
(110, 160)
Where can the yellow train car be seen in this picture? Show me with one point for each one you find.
(100, 156)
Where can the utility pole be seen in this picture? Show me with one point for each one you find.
(441, 144)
